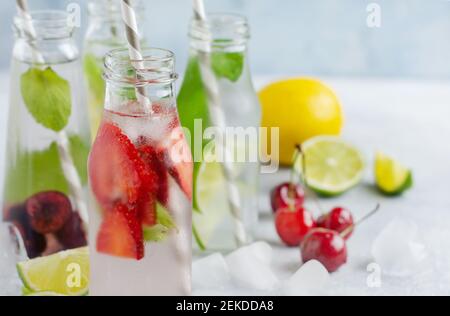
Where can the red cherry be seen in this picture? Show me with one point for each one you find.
(287, 194)
(339, 219)
(293, 225)
(326, 246)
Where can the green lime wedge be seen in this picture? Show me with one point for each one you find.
(332, 166)
(211, 195)
(391, 177)
(45, 294)
(66, 273)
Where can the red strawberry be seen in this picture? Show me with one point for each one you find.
(147, 210)
(121, 234)
(116, 171)
(176, 154)
(156, 167)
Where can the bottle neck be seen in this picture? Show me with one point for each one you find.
(152, 78)
(220, 33)
(105, 20)
(44, 37)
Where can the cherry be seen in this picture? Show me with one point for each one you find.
(339, 219)
(287, 194)
(329, 246)
(293, 225)
(326, 246)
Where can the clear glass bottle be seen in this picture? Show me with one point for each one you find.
(48, 137)
(106, 32)
(140, 219)
(225, 37)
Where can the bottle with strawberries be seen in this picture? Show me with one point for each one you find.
(140, 172)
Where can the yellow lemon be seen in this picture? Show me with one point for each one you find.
(302, 108)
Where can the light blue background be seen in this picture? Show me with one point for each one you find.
(313, 37)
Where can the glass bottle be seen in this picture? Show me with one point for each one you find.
(225, 37)
(48, 139)
(105, 32)
(140, 220)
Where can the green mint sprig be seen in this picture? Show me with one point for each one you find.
(164, 224)
(47, 97)
(228, 65)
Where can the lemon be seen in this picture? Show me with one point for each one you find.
(302, 109)
(65, 273)
(332, 165)
(391, 177)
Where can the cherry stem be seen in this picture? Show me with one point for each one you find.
(346, 232)
(293, 183)
(302, 175)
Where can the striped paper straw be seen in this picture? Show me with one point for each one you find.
(132, 32)
(22, 10)
(134, 49)
(67, 164)
(218, 120)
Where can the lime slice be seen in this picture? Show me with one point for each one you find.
(66, 273)
(211, 194)
(44, 294)
(332, 166)
(391, 177)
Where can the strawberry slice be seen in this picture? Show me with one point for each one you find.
(147, 210)
(116, 171)
(156, 167)
(177, 157)
(120, 234)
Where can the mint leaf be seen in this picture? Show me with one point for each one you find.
(228, 65)
(164, 218)
(93, 70)
(164, 224)
(155, 233)
(33, 172)
(47, 97)
(193, 104)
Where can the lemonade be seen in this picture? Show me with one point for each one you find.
(140, 171)
(213, 222)
(45, 180)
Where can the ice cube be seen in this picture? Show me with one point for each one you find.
(210, 273)
(250, 267)
(311, 279)
(399, 250)
(261, 251)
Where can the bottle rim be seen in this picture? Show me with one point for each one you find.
(221, 30)
(110, 10)
(47, 24)
(156, 67)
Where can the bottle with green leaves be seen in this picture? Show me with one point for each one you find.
(105, 32)
(225, 38)
(48, 138)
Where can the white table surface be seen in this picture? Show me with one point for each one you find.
(409, 119)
